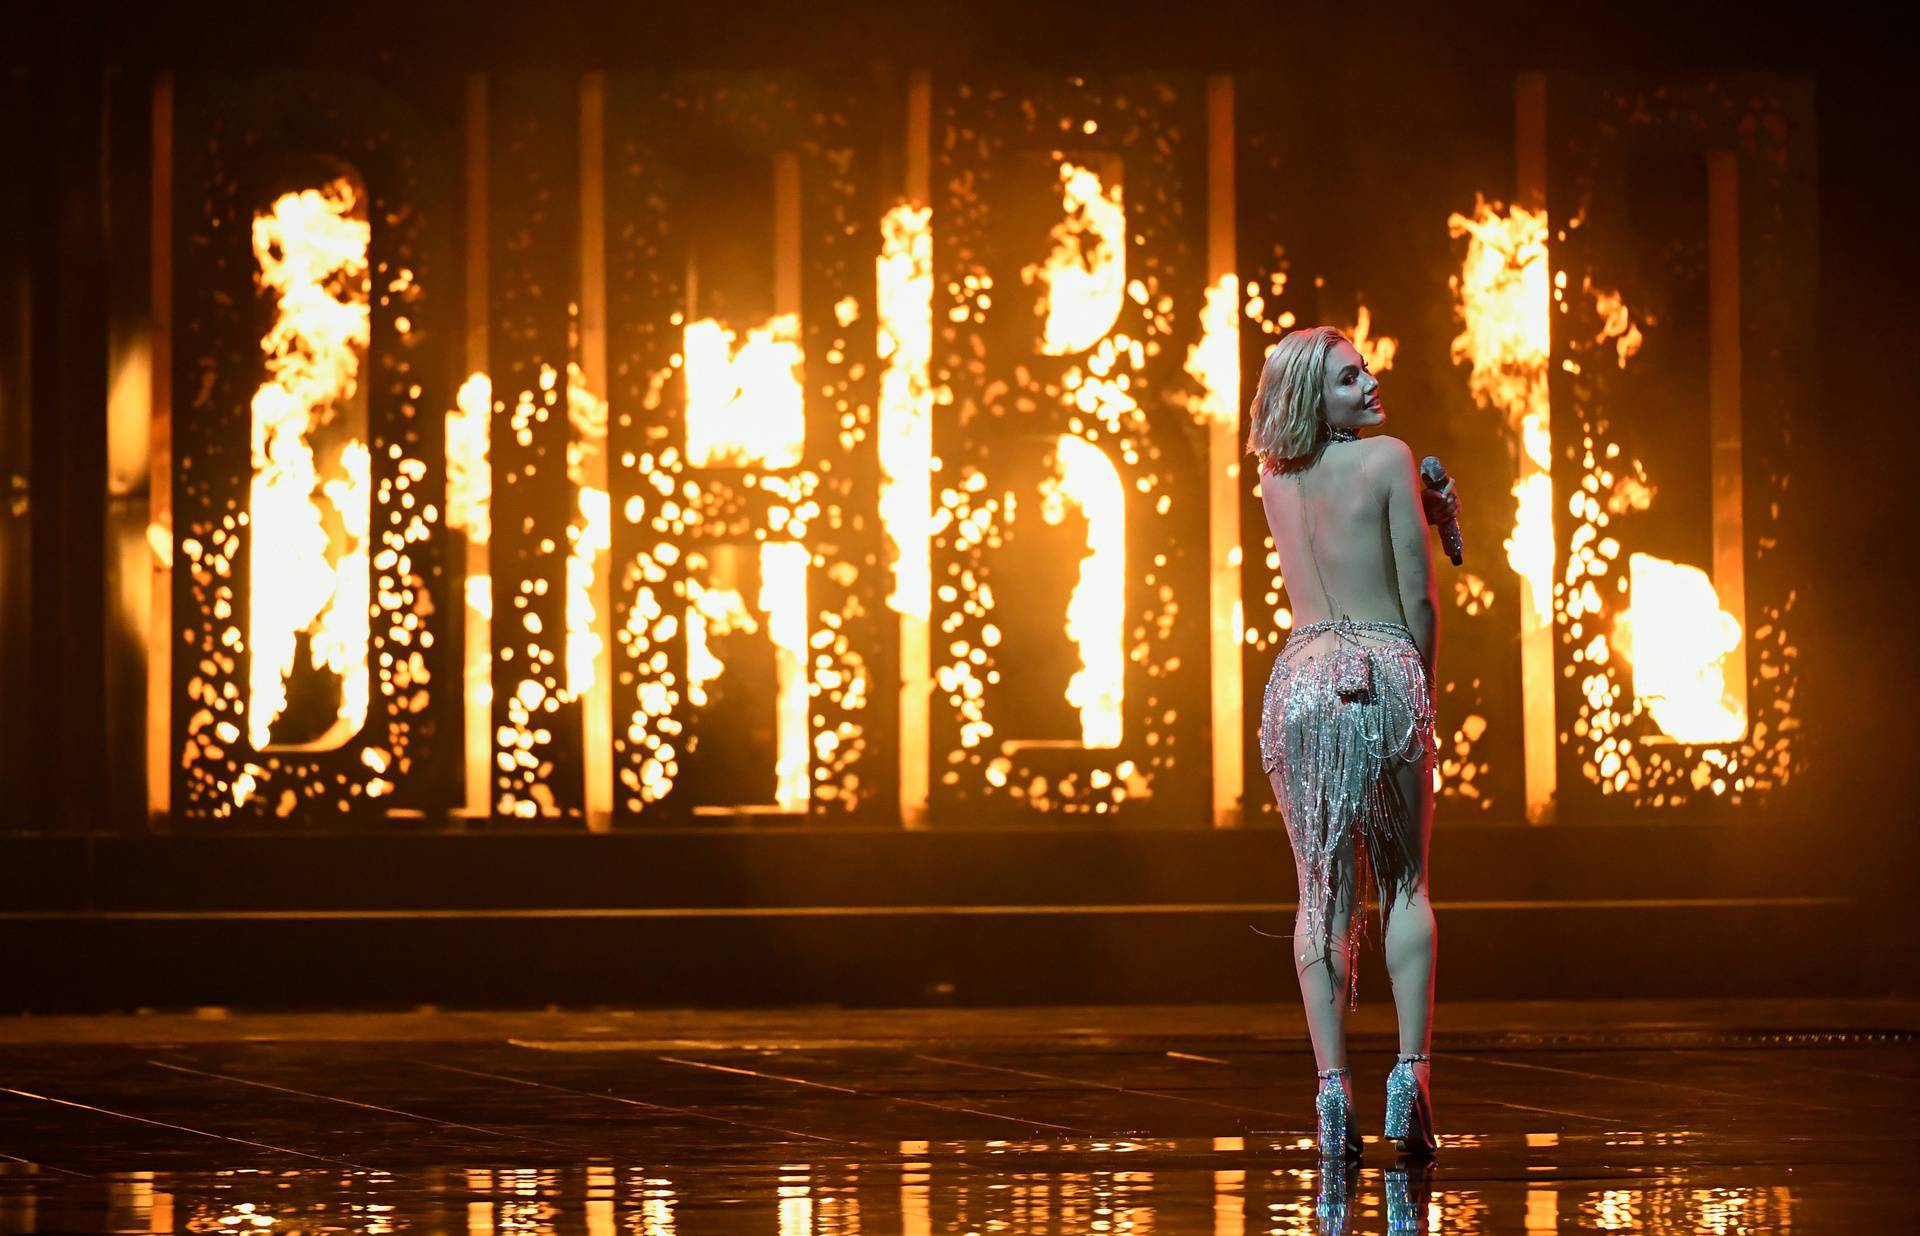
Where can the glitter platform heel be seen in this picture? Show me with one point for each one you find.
(1409, 1189)
(1339, 1140)
(1410, 1108)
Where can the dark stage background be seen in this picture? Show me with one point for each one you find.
(1353, 133)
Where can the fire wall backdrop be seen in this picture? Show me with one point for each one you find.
(593, 451)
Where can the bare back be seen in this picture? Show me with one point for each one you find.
(1368, 536)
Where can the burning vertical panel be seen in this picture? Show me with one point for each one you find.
(590, 532)
(309, 503)
(1096, 613)
(748, 567)
(903, 279)
(533, 274)
(1677, 588)
(1068, 297)
(1214, 363)
(1317, 244)
(1503, 300)
(307, 279)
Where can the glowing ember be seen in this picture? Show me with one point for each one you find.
(783, 598)
(1085, 275)
(1096, 614)
(1681, 644)
(307, 578)
(524, 790)
(744, 406)
(1616, 323)
(972, 514)
(652, 726)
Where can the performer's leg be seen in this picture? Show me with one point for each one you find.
(1322, 973)
(1410, 934)
(1323, 984)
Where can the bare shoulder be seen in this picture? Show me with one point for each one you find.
(1386, 446)
(1389, 460)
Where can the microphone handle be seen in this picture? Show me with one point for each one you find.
(1434, 475)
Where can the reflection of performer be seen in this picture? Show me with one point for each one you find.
(1346, 728)
(1408, 1185)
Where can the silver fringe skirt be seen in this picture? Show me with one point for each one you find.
(1339, 717)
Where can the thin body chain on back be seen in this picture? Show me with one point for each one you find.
(1347, 630)
(1338, 614)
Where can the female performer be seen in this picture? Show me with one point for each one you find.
(1346, 728)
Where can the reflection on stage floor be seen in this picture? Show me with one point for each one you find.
(1725, 1118)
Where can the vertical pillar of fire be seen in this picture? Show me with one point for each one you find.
(1539, 739)
(532, 207)
(477, 672)
(1723, 404)
(160, 464)
(789, 561)
(913, 546)
(1223, 464)
(131, 140)
(597, 700)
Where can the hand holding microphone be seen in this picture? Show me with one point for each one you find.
(1442, 505)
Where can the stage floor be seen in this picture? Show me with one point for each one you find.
(1722, 1117)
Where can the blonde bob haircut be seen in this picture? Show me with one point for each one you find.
(1288, 425)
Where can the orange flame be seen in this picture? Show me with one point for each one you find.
(714, 611)
(1616, 323)
(1085, 274)
(589, 534)
(783, 598)
(905, 286)
(1096, 613)
(1505, 306)
(1377, 350)
(745, 405)
(1681, 644)
(312, 255)
(469, 482)
(1213, 361)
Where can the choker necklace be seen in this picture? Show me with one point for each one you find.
(1340, 433)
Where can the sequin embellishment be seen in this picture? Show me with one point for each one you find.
(1334, 752)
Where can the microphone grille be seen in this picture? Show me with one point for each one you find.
(1432, 471)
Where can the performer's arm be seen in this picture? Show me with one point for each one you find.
(1412, 561)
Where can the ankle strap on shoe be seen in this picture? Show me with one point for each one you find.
(1415, 1058)
(1331, 1073)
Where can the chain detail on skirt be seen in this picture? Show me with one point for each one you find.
(1333, 738)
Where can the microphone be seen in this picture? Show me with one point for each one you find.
(1434, 474)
